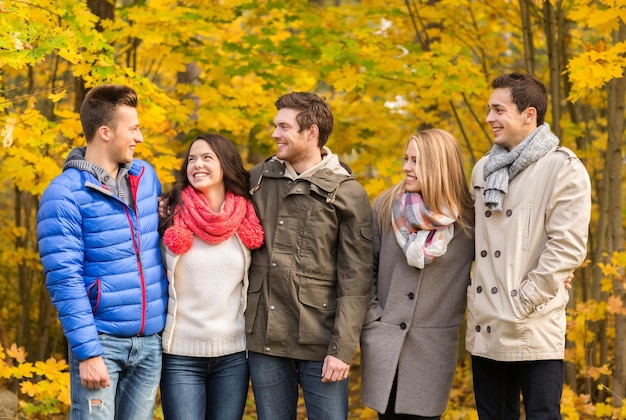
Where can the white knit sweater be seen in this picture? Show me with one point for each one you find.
(207, 299)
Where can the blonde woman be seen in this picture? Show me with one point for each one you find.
(423, 250)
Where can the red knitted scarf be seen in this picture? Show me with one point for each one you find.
(195, 217)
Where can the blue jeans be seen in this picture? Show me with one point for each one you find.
(134, 366)
(275, 385)
(195, 388)
(497, 387)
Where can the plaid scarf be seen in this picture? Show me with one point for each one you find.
(422, 234)
(195, 217)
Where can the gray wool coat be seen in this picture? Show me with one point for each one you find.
(412, 325)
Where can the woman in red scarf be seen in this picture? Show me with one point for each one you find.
(208, 233)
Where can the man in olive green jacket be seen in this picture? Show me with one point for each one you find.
(309, 283)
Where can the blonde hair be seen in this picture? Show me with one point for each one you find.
(442, 175)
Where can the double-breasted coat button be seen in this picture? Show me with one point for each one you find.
(411, 295)
(513, 293)
(494, 290)
(488, 213)
(509, 212)
(402, 326)
(479, 289)
(497, 254)
(488, 330)
(477, 328)
(483, 253)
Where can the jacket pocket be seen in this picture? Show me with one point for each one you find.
(318, 304)
(256, 276)
(93, 292)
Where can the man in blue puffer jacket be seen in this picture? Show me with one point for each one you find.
(99, 246)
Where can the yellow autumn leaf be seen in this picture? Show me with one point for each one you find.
(7, 131)
(22, 370)
(346, 79)
(595, 372)
(615, 305)
(17, 353)
(604, 411)
(28, 388)
(56, 97)
(609, 270)
(619, 258)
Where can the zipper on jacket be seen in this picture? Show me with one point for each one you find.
(134, 186)
(133, 181)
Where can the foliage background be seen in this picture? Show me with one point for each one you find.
(388, 68)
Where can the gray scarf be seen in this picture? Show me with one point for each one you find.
(503, 165)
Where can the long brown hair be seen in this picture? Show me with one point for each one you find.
(236, 177)
(442, 175)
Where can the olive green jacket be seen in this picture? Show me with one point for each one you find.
(310, 281)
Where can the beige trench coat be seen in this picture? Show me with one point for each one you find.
(516, 301)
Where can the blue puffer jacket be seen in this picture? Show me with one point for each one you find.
(102, 258)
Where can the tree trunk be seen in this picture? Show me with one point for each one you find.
(552, 32)
(527, 34)
(614, 162)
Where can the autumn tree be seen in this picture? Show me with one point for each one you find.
(387, 67)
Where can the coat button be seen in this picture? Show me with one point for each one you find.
(483, 253)
(494, 290)
(411, 295)
(272, 307)
(280, 222)
(479, 289)
(488, 330)
(509, 212)
(403, 326)
(477, 328)
(513, 293)
(488, 213)
(273, 264)
(267, 349)
(497, 254)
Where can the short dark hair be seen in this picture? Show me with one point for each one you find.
(312, 109)
(526, 91)
(100, 107)
(236, 177)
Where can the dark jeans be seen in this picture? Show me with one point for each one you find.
(275, 384)
(390, 413)
(497, 387)
(198, 388)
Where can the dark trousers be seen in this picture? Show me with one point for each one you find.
(390, 413)
(497, 387)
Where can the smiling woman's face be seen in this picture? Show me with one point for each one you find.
(412, 182)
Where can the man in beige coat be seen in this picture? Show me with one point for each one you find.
(533, 204)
